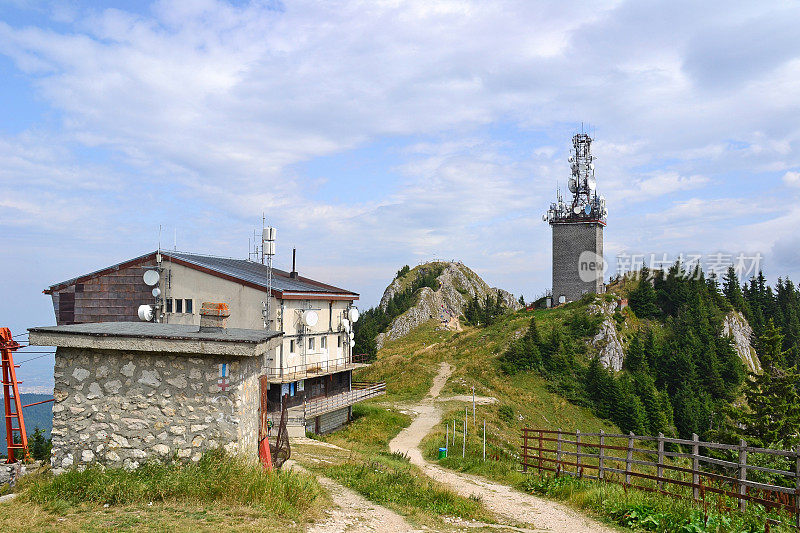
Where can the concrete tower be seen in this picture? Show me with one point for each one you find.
(578, 229)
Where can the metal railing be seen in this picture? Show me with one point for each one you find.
(725, 472)
(313, 369)
(345, 399)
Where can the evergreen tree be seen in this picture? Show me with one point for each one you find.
(732, 290)
(635, 358)
(40, 446)
(772, 417)
(522, 300)
(642, 299)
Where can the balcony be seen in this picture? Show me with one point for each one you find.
(361, 390)
(289, 374)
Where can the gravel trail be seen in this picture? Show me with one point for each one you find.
(507, 503)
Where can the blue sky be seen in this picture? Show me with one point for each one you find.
(379, 133)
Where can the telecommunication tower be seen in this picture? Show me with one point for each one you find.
(577, 225)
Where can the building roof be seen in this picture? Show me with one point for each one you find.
(239, 270)
(156, 337)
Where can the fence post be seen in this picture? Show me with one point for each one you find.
(660, 468)
(601, 455)
(540, 452)
(484, 439)
(524, 450)
(464, 445)
(628, 458)
(559, 466)
(797, 489)
(578, 452)
(447, 440)
(695, 466)
(742, 473)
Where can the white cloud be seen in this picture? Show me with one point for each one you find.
(792, 178)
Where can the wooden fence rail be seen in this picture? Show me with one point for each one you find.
(615, 457)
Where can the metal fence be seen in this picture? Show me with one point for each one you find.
(313, 369)
(575, 453)
(364, 391)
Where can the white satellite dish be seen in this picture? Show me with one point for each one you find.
(572, 185)
(352, 343)
(156, 292)
(576, 209)
(591, 183)
(353, 314)
(151, 277)
(310, 318)
(146, 311)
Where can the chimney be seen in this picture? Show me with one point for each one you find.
(293, 273)
(214, 316)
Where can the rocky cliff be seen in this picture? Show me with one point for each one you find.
(612, 355)
(607, 340)
(738, 329)
(457, 285)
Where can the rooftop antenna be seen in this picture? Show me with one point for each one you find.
(268, 235)
(175, 242)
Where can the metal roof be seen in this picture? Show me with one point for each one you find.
(161, 331)
(255, 273)
(245, 271)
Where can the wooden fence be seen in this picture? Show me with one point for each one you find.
(576, 453)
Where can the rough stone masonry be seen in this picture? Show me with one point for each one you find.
(121, 401)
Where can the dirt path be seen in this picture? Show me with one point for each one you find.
(505, 502)
(352, 513)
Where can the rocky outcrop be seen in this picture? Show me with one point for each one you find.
(738, 329)
(457, 285)
(607, 340)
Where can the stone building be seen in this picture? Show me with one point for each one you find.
(578, 264)
(127, 392)
(309, 369)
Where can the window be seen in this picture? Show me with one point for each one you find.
(323, 343)
(291, 346)
(189, 306)
(169, 305)
(178, 305)
(311, 343)
(339, 341)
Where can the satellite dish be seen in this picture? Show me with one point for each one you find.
(151, 277)
(146, 311)
(156, 292)
(310, 318)
(346, 324)
(572, 185)
(353, 314)
(591, 183)
(588, 209)
(576, 209)
(352, 343)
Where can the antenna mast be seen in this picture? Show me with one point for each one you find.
(268, 234)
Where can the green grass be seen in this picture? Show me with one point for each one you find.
(644, 511)
(372, 427)
(217, 481)
(390, 480)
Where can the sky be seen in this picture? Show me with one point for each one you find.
(380, 133)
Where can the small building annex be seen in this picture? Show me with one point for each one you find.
(128, 392)
(309, 370)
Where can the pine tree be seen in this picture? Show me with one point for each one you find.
(522, 300)
(635, 359)
(642, 299)
(772, 417)
(732, 290)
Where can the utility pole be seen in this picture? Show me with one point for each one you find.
(473, 406)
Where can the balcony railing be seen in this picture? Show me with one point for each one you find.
(318, 368)
(364, 391)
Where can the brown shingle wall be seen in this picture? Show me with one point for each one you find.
(112, 297)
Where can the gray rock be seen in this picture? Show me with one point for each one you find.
(736, 327)
(457, 286)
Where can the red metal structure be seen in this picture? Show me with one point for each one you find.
(11, 398)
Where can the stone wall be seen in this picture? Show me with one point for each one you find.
(122, 409)
(569, 242)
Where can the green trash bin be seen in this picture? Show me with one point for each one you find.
(442, 453)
